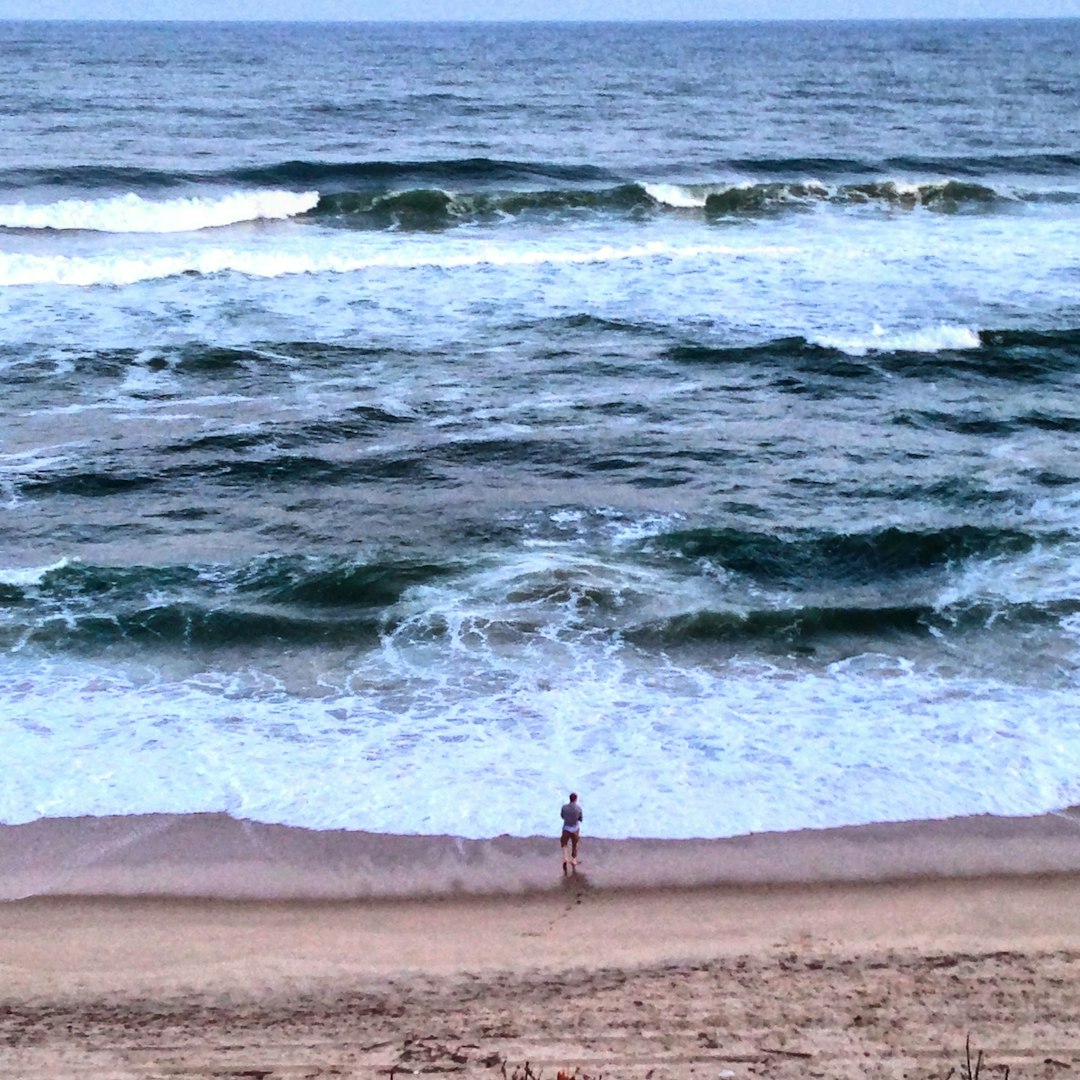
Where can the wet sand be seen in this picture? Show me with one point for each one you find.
(217, 856)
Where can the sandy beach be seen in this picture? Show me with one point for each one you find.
(883, 978)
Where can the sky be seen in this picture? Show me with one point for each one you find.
(471, 10)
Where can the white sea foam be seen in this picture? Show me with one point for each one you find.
(1044, 575)
(23, 576)
(116, 270)
(642, 528)
(132, 213)
(656, 752)
(682, 198)
(495, 692)
(924, 340)
(15, 467)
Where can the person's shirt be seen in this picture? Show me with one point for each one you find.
(572, 816)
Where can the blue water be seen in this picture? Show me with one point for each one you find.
(404, 425)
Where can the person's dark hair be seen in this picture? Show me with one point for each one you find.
(573, 796)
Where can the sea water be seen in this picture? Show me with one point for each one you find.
(406, 425)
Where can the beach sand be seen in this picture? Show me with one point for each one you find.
(884, 977)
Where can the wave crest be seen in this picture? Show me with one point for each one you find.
(132, 213)
(948, 196)
(436, 208)
(930, 339)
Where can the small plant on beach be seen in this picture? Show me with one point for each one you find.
(525, 1072)
(520, 1072)
(969, 1070)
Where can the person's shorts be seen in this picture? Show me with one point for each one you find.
(568, 836)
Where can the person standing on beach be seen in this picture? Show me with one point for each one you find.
(572, 816)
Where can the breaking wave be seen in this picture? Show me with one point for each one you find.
(433, 208)
(1015, 354)
(441, 194)
(922, 340)
(727, 585)
(132, 213)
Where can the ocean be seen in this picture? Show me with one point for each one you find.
(405, 425)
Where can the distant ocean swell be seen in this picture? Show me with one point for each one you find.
(383, 175)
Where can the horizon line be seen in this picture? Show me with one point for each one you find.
(469, 21)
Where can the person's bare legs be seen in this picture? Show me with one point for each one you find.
(570, 838)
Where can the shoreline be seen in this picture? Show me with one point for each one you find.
(215, 856)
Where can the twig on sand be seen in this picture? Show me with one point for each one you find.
(785, 1053)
